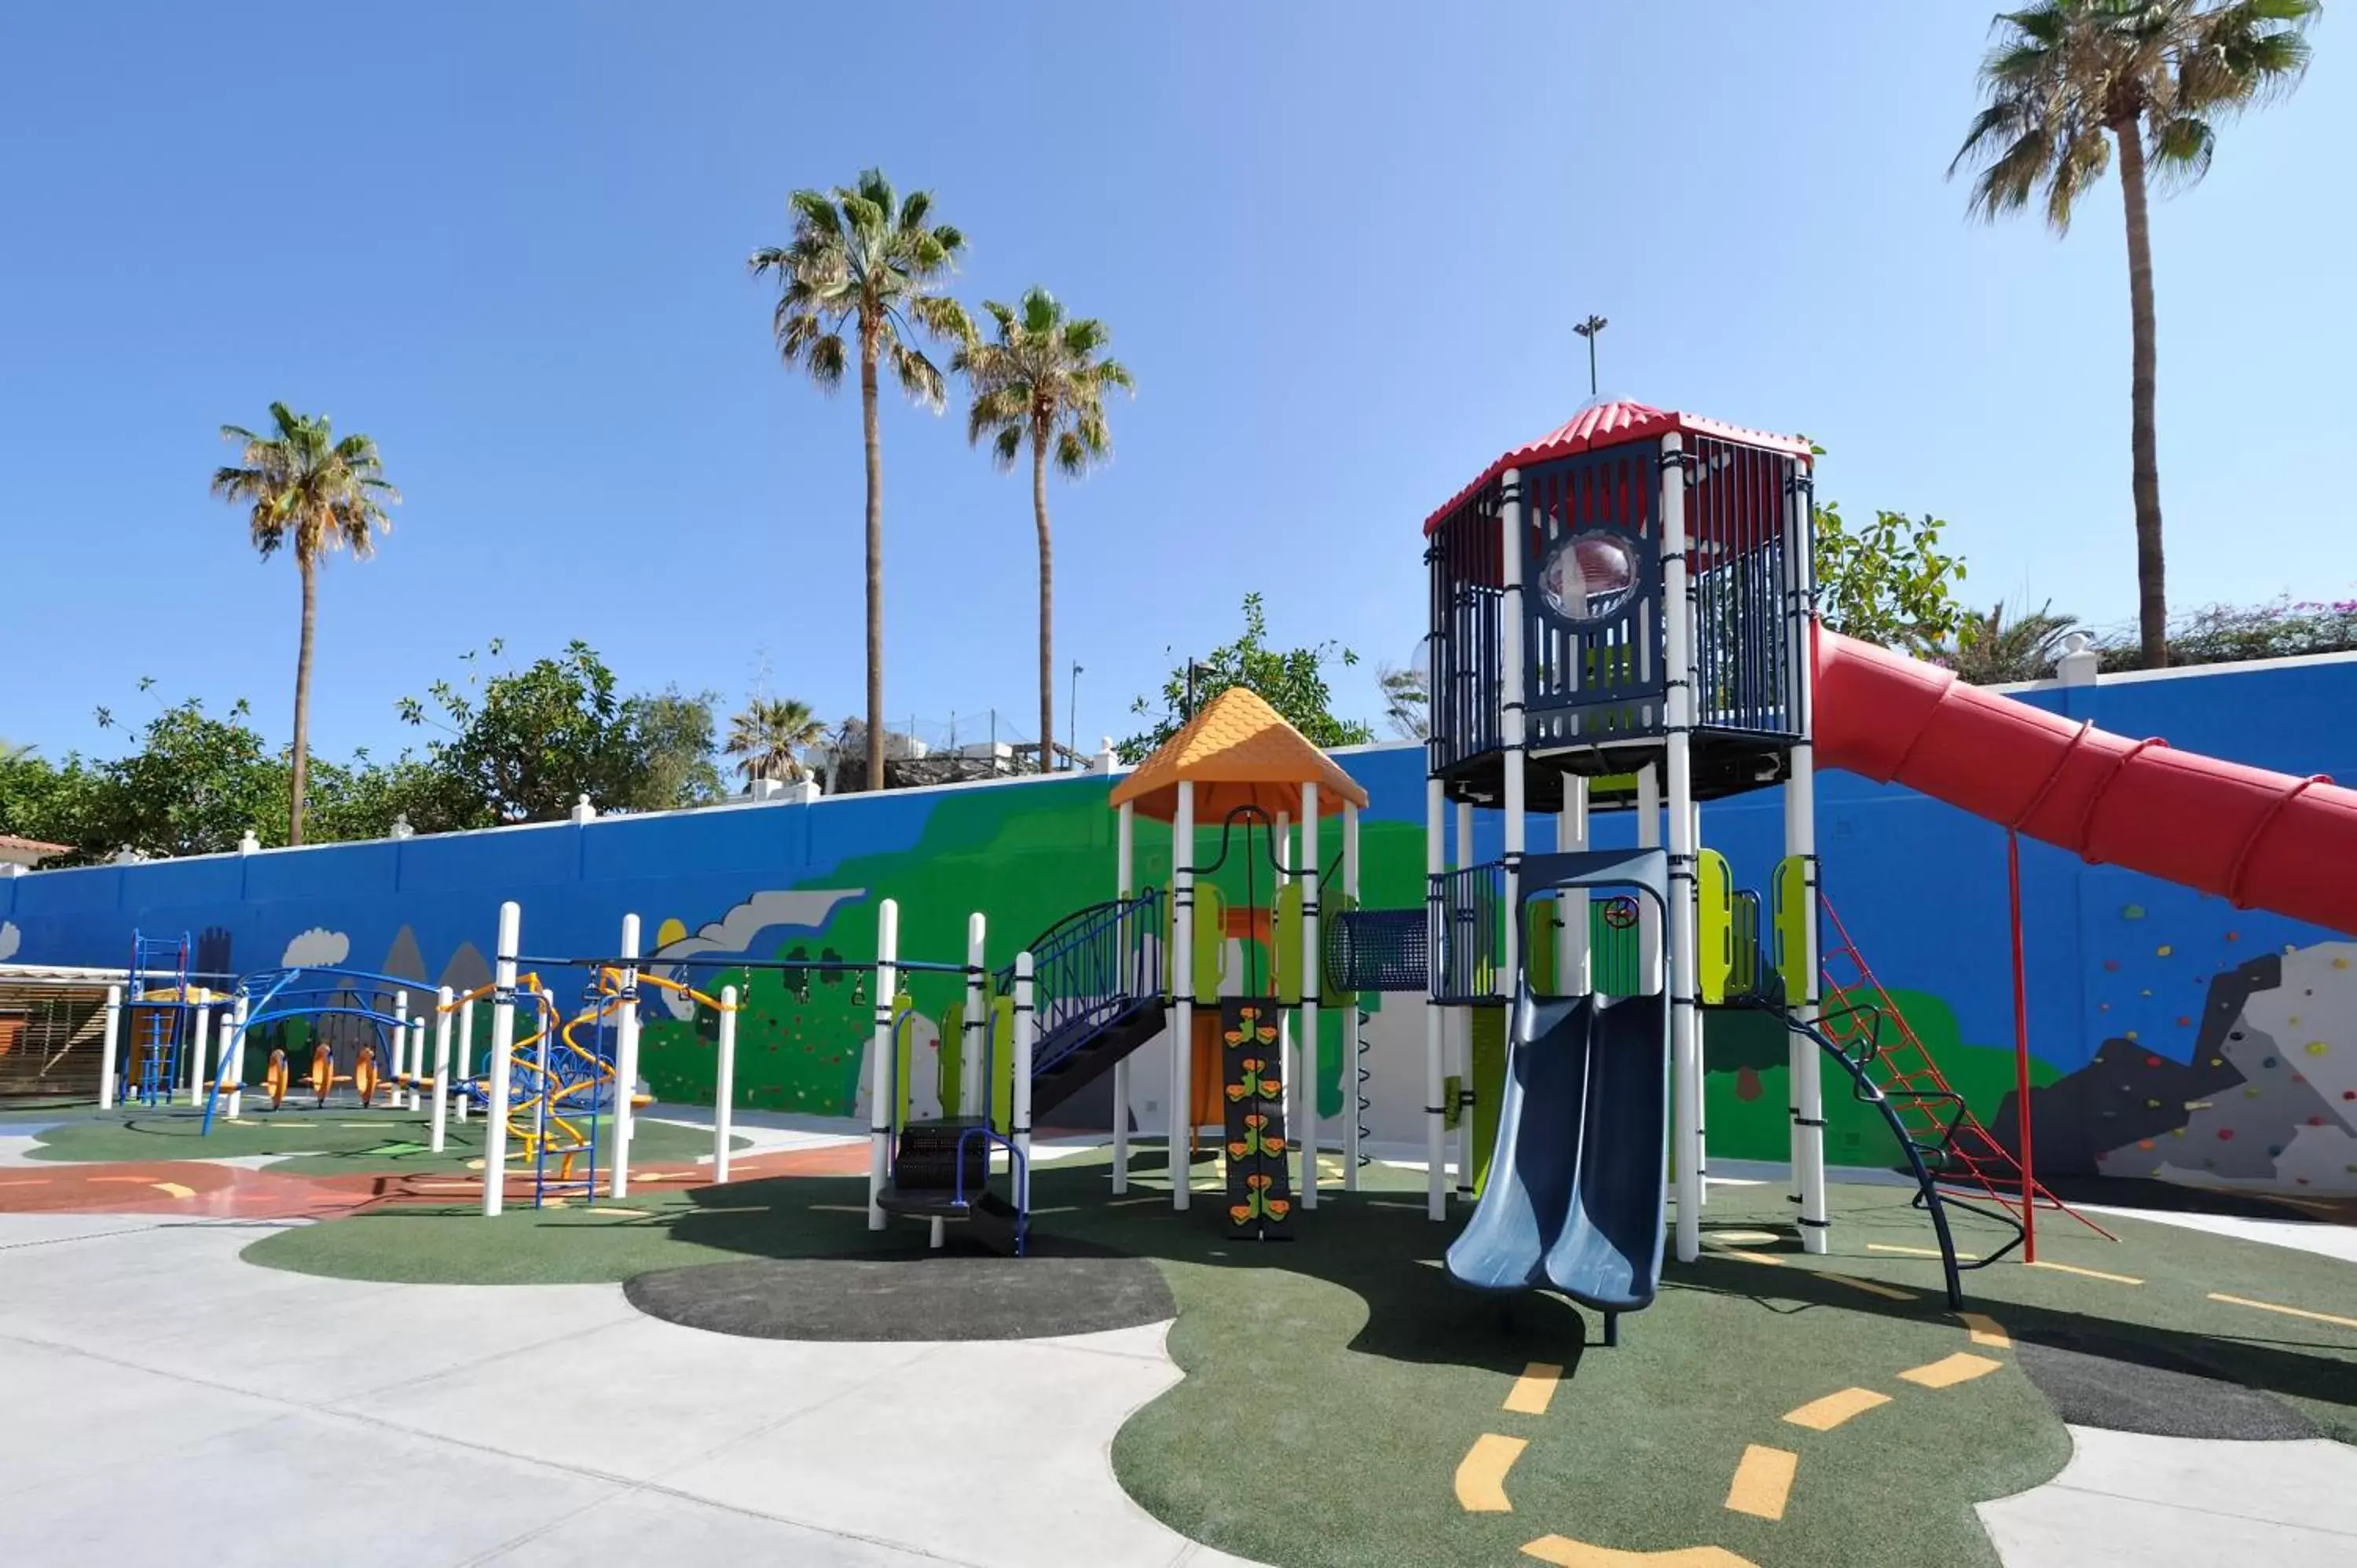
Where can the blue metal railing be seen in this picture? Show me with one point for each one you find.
(1465, 932)
(1089, 971)
(1019, 1176)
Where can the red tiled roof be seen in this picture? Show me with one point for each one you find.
(1615, 423)
(9, 840)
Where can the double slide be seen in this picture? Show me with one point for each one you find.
(1577, 1185)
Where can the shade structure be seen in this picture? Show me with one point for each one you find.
(1238, 751)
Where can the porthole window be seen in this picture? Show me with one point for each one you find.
(1590, 576)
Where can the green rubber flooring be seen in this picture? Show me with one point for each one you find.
(336, 1141)
(1337, 1382)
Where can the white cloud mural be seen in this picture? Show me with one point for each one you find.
(733, 934)
(10, 940)
(318, 946)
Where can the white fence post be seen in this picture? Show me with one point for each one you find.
(466, 1051)
(396, 1071)
(495, 1136)
(724, 1084)
(200, 1030)
(109, 1045)
(1026, 1027)
(626, 1057)
(442, 1004)
(234, 1068)
(880, 1097)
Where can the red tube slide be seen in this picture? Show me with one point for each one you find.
(2263, 840)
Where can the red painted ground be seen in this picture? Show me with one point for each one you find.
(198, 1190)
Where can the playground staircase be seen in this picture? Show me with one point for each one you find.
(159, 968)
(1096, 993)
(941, 1170)
(1863, 1024)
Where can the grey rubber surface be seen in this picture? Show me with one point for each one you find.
(2125, 1387)
(938, 1297)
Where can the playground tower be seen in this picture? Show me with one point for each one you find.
(1621, 616)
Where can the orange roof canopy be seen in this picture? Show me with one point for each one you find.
(1238, 751)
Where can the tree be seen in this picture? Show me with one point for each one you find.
(1407, 700)
(768, 737)
(306, 491)
(2156, 78)
(1042, 384)
(1293, 682)
(863, 257)
(531, 742)
(1888, 581)
(1991, 649)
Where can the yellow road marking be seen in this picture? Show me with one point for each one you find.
(1743, 1238)
(1534, 1388)
(1769, 1259)
(1961, 1367)
(1986, 1330)
(1872, 1287)
(172, 1189)
(2086, 1273)
(1824, 1415)
(2286, 1311)
(1481, 1474)
(1918, 1251)
(1762, 1481)
(1566, 1553)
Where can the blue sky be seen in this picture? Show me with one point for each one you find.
(1340, 246)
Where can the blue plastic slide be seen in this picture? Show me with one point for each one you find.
(1579, 1181)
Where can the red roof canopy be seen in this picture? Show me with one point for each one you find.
(1615, 423)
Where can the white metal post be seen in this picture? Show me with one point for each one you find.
(1436, 940)
(723, 1080)
(495, 1113)
(200, 1029)
(466, 1051)
(1677, 608)
(234, 1068)
(1352, 1028)
(973, 1036)
(880, 1094)
(417, 1054)
(442, 1007)
(1461, 1019)
(1125, 889)
(1571, 968)
(401, 1092)
(1649, 919)
(1025, 1026)
(1808, 1146)
(626, 1058)
(109, 1045)
(1287, 1056)
(1180, 1120)
(1304, 1068)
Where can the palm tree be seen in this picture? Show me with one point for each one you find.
(865, 258)
(1042, 384)
(2156, 77)
(304, 488)
(1991, 649)
(769, 736)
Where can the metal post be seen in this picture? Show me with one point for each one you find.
(466, 1051)
(495, 1135)
(626, 1058)
(1024, 1024)
(1180, 1120)
(1125, 889)
(879, 1061)
(1438, 938)
(109, 1045)
(1288, 1056)
(442, 1005)
(199, 1039)
(2021, 1049)
(1649, 919)
(1304, 1071)
(974, 1029)
(1571, 967)
(1353, 1034)
(234, 1068)
(723, 1098)
(1677, 611)
(1460, 1018)
(401, 1093)
(1801, 839)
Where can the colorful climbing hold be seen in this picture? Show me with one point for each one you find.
(2152, 1061)
(2267, 1063)
(2144, 1143)
(2183, 1022)
(2131, 1034)
(2152, 1105)
(2225, 1135)
(2233, 936)
(2131, 911)
(2318, 1048)
(2251, 1093)
(2164, 950)
(2111, 965)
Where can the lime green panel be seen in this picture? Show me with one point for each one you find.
(1714, 923)
(1002, 1058)
(905, 1044)
(1489, 1086)
(1285, 942)
(1791, 918)
(1542, 918)
(1210, 939)
(1612, 952)
(952, 1025)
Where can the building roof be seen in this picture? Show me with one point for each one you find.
(35, 846)
(1238, 751)
(1615, 423)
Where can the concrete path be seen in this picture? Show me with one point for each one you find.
(2174, 1502)
(171, 1404)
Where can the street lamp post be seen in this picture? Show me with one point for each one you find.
(1588, 330)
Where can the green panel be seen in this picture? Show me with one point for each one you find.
(904, 1044)
(1613, 952)
(1489, 1086)
(1792, 916)
(951, 1024)
(1285, 943)
(1542, 919)
(1714, 924)
(1002, 1070)
(1210, 939)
